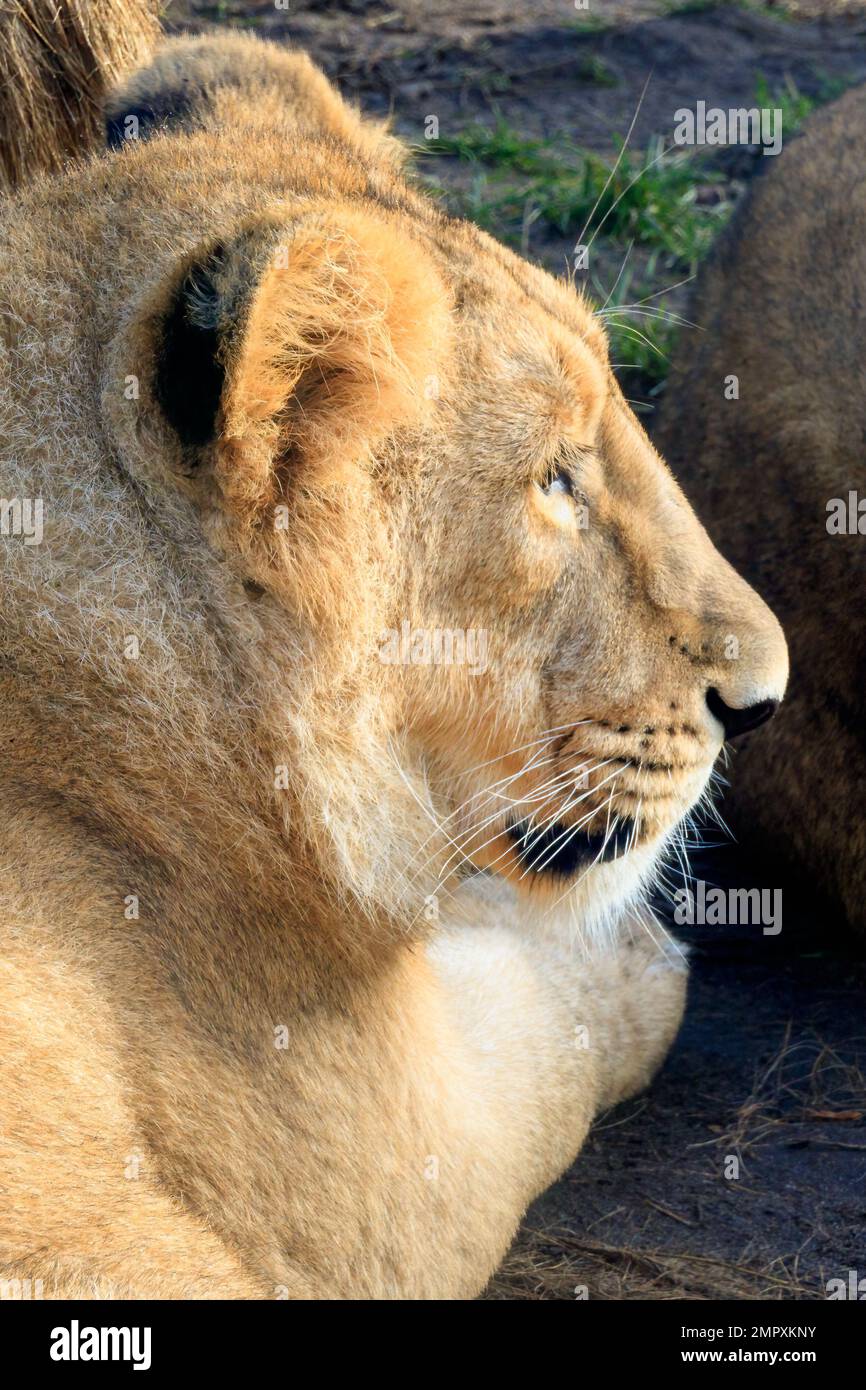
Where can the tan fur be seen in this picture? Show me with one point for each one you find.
(780, 306)
(328, 1058)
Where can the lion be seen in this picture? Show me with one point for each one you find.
(361, 662)
(764, 429)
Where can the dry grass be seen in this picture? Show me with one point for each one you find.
(805, 1083)
(552, 1266)
(58, 57)
(807, 1094)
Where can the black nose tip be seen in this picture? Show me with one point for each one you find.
(739, 721)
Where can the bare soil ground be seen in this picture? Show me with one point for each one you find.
(769, 1068)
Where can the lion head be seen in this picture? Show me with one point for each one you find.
(475, 624)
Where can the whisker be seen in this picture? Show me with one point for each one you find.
(617, 280)
(485, 794)
(616, 165)
(570, 889)
(637, 336)
(549, 736)
(475, 830)
(571, 830)
(629, 186)
(658, 315)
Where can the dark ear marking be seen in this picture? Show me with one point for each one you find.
(190, 374)
(204, 319)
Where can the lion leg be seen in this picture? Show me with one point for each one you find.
(555, 1032)
(624, 998)
(83, 1213)
(154, 1250)
(639, 991)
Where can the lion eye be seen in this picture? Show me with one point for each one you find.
(559, 480)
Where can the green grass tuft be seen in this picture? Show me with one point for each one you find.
(795, 105)
(641, 329)
(650, 197)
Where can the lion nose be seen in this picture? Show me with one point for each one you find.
(739, 721)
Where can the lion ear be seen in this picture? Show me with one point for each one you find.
(301, 346)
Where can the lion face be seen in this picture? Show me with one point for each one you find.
(581, 650)
(503, 610)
